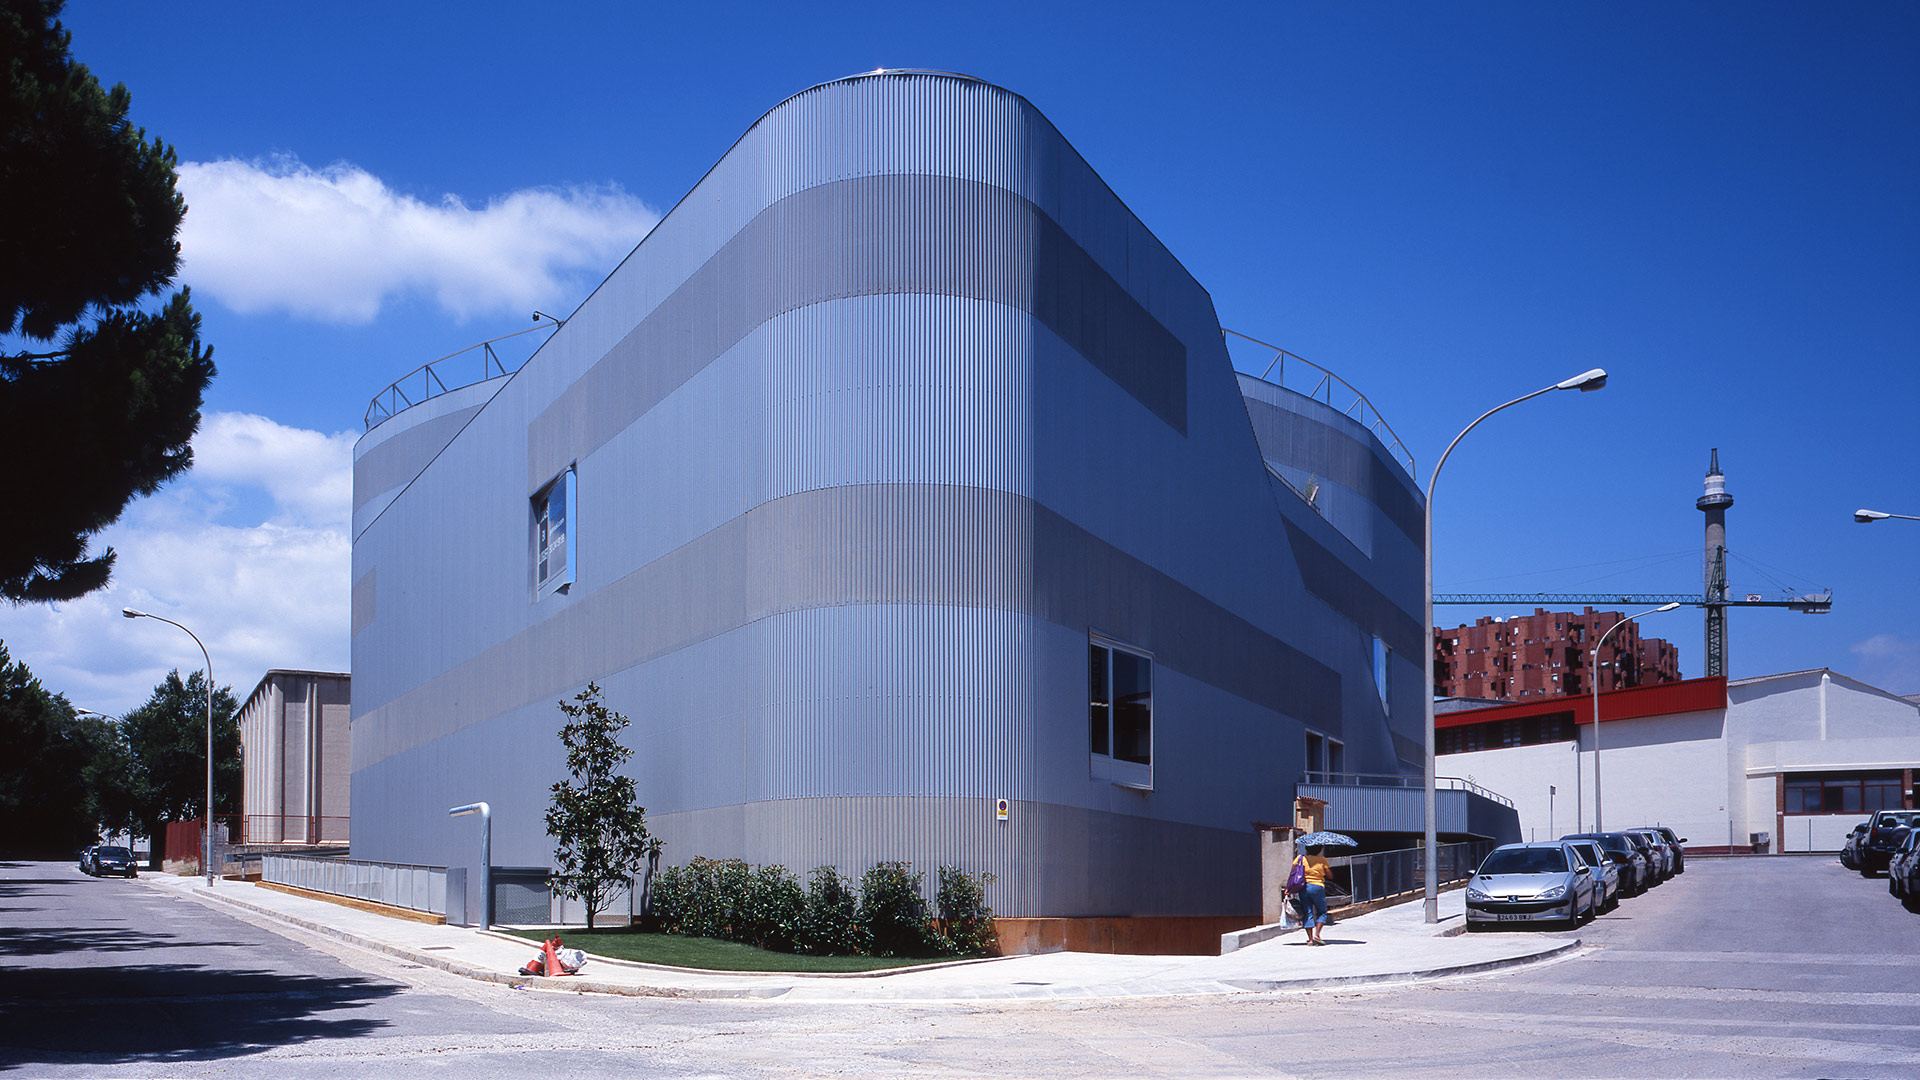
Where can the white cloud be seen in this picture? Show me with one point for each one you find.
(309, 475)
(336, 243)
(266, 593)
(1888, 661)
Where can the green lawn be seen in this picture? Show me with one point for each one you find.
(691, 952)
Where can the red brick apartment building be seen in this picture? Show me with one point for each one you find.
(1545, 655)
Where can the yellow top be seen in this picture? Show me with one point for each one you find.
(1317, 869)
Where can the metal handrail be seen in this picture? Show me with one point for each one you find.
(1394, 780)
(395, 400)
(1356, 404)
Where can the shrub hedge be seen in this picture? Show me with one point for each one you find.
(768, 908)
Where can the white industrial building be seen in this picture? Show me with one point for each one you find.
(1779, 763)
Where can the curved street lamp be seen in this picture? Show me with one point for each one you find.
(486, 856)
(206, 822)
(1868, 517)
(1587, 380)
(1593, 671)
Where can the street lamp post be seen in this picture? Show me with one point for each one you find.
(1593, 672)
(206, 831)
(486, 856)
(1868, 517)
(1590, 380)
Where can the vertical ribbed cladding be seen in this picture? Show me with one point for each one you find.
(890, 729)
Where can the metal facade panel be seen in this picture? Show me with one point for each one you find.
(897, 406)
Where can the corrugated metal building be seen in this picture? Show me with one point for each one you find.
(294, 732)
(894, 439)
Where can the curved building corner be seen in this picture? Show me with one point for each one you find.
(900, 471)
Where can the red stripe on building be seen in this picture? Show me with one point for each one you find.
(1665, 699)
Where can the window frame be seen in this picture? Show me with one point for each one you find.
(546, 542)
(1105, 764)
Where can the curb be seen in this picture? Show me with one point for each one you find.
(1401, 976)
(573, 982)
(577, 984)
(642, 965)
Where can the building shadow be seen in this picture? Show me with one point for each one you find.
(116, 995)
(115, 1014)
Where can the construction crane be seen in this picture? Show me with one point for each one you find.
(1714, 599)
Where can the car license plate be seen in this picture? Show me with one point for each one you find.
(1510, 918)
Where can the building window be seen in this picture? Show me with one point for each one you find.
(1852, 793)
(1495, 734)
(1381, 654)
(1120, 714)
(552, 535)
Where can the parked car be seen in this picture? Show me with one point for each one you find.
(1850, 851)
(86, 859)
(1675, 843)
(1903, 871)
(1635, 872)
(1606, 875)
(1668, 852)
(1876, 847)
(1529, 883)
(114, 860)
(1658, 868)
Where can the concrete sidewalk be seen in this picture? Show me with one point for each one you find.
(1390, 945)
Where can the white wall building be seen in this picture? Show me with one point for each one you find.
(1787, 762)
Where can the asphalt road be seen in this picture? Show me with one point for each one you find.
(1751, 968)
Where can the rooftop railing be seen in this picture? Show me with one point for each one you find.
(1394, 780)
(1308, 379)
(430, 380)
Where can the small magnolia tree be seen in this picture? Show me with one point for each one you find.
(597, 823)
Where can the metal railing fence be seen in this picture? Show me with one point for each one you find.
(1395, 780)
(403, 885)
(294, 829)
(1313, 381)
(426, 382)
(1357, 879)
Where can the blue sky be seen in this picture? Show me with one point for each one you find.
(1448, 205)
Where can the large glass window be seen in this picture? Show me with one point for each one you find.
(552, 531)
(1120, 713)
(1849, 793)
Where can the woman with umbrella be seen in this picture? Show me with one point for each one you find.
(1314, 892)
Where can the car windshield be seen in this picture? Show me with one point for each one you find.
(1892, 820)
(112, 852)
(1526, 861)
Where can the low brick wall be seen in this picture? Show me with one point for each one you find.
(1157, 935)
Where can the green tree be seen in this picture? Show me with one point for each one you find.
(597, 823)
(90, 218)
(109, 778)
(44, 809)
(167, 747)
